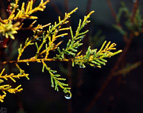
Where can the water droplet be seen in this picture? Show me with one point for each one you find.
(82, 38)
(68, 96)
(54, 72)
(81, 66)
(52, 85)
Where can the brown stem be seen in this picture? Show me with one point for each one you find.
(8, 6)
(111, 9)
(134, 10)
(33, 60)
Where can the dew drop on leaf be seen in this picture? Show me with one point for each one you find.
(81, 66)
(52, 85)
(54, 72)
(82, 38)
(68, 96)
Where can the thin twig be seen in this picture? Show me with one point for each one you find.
(8, 6)
(33, 60)
(111, 9)
(134, 10)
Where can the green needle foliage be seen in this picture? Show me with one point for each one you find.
(45, 42)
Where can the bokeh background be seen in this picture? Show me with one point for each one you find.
(92, 88)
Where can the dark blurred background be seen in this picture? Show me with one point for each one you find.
(94, 90)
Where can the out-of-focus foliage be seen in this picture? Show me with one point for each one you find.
(128, 68)
(133, 23)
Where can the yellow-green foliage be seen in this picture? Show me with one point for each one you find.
(44, 41)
